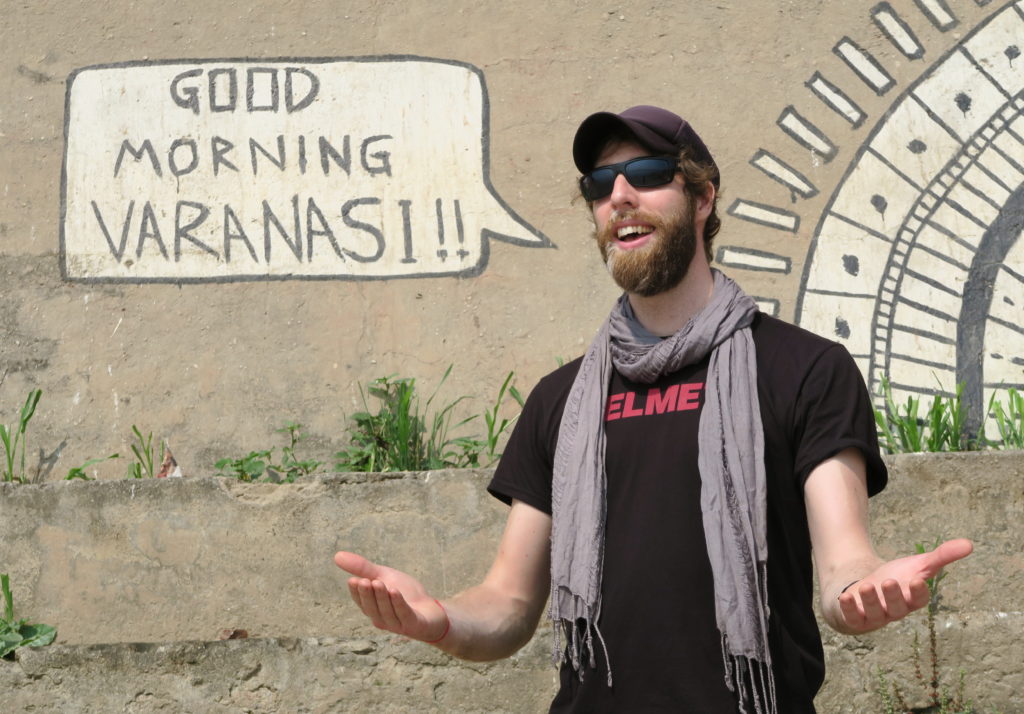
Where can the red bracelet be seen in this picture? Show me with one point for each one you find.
(447, 625)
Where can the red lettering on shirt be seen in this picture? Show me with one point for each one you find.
(658, 403)
(689, 396)
(674, 398)
(614, 407)
(628, 410)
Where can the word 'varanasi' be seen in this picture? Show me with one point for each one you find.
(220, 231)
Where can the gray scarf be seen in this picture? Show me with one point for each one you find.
(730, 441)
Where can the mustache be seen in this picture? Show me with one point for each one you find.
(606, 233)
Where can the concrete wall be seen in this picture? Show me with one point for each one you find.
(175, 562)
(872, 165)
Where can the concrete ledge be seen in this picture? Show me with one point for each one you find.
(987, 646)
(183, 559)
(382, 674)
(177, 561)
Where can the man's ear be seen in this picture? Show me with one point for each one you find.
(706, 202)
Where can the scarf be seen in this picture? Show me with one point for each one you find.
(730, 442)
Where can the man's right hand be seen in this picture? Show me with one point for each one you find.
(393, 600)
(482, 623)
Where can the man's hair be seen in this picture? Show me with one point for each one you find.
(696, 175)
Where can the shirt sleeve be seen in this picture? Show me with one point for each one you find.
(833, 413)
(524, 471)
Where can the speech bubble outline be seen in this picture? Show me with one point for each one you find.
(124, 227)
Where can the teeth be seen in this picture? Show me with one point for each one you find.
(631, 230)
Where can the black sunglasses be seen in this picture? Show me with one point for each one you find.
(641, 172)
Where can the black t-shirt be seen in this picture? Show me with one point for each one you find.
(657, 612)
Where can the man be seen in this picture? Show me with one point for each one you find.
(667, 488)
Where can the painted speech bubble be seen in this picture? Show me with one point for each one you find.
(298, 168)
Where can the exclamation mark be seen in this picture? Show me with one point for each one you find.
(407, 230)
(462, 252)
(442, 252)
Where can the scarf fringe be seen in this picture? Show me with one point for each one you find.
(750, 678)
(579, 640)
(753, 684)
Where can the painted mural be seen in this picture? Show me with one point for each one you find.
(916, 263)
(374, 167)
(220, 170)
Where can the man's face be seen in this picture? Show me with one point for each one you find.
(646, 235)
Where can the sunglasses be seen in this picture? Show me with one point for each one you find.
(641, 172)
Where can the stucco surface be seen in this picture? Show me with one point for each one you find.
(269, 675)
(231, 555)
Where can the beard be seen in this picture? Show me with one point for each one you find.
(662, 263)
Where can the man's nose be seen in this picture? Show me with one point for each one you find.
(623, 194)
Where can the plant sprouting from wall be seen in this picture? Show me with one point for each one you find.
(14, 439)
(1009, 418)
(260, 466)
(78, 472)
(407, 435)
(903, 429)
(19, 633)
(146, 459)
(497, 425)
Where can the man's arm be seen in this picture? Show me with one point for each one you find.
(876, 592)
(486, 622)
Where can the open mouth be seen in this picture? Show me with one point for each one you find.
(633, 233)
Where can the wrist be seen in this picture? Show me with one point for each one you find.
(447, 625)
(848, 586)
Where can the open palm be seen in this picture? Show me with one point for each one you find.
(393, 600)
(897, 587)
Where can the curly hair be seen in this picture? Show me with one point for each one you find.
(696, 176)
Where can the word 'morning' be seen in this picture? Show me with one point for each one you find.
(183, 156)
(262, 89)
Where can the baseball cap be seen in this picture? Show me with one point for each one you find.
(657, 129)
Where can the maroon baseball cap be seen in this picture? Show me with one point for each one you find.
(657, 129)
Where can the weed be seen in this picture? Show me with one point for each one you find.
(18, 633)
(1009, 419)
(902, 430)
(404, 436)
(146, 461)
(291, 466)
(78, 472)
(13, 437)
(496, 428)
(258, 465)
(248, 468)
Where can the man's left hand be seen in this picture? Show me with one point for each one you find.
(895, 588)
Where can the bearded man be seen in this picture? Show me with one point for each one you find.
(669, 487)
